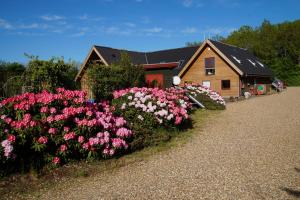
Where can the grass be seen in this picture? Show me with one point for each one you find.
(19, 186)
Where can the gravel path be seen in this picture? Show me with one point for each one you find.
(249, 151)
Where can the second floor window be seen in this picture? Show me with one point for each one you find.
(210, 66)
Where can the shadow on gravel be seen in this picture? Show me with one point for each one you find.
(292, 192)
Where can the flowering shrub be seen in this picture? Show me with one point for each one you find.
(209, 98)
(151, 108)
(55, 127)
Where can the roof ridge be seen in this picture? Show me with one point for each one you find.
(146, 52)
(228, 44)
(173, 49)
(119, 49)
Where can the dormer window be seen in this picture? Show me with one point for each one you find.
(210, 66)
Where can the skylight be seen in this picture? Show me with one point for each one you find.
(253, 63)
(260, 63)
(237, 60)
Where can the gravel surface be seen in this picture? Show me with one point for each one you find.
(249, 151)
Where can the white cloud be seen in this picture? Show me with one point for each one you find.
(79, 34)
(130, 24)
(29, 26)
(154, 30)
(52, 17)
(5, 25)
(187, 3)
(190, 30)
(83, 17)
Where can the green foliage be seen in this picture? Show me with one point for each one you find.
(277, 45)
(10, 78)
(104, 80)
(51, 74)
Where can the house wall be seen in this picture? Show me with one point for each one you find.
(167, 76)
(196, 74)
(85, 85)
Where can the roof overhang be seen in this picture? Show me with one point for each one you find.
(169, 65)
(198, 52)
(84, 64)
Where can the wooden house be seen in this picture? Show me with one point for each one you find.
(227, 69)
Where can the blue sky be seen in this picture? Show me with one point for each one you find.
(69, 28)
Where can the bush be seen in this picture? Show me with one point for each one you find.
(209, 98)
(150, 109)
(106, 79)
(36, 129)
(51, 74)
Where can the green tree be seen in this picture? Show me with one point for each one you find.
(104, 80)
(10, 78)
(50, 74)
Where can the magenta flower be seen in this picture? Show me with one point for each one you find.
(56, 160)
(43, 140)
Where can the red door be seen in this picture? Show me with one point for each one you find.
(155, 80)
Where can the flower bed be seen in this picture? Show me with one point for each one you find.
(209, 98)
(149, 109)
(36, 129)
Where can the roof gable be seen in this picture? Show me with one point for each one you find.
(241, 60)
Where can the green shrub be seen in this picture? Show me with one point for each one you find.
(106, 79)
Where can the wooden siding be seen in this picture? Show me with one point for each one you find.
(85, 86)
(196, 74)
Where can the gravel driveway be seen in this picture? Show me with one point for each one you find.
(249, 151)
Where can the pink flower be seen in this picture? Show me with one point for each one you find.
(52, 131)
(52, 110)
(8, 148)
(69, 136)
(120, 121)
(123, 132)
(56, 160)
(42, 140)
(66, 129)
(89, 113)
(33, 123)
(63, 148)
(111, 152)
(50, 119)
(44, 109)
(86, 146)
(11, 138)
(81, 139)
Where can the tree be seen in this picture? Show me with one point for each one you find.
(50, 74)
(104, 80)
(10, 78)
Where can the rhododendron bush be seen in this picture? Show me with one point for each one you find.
(55, 127)
(209, 98)
(148, 109)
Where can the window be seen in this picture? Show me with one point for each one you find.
(225, 84)
(210, 66)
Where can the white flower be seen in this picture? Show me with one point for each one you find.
(140, 117)
(123, 106)
(129, 97)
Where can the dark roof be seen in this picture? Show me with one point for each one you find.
(181, 55)
(243, 59)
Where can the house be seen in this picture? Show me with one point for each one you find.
(227, 69)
